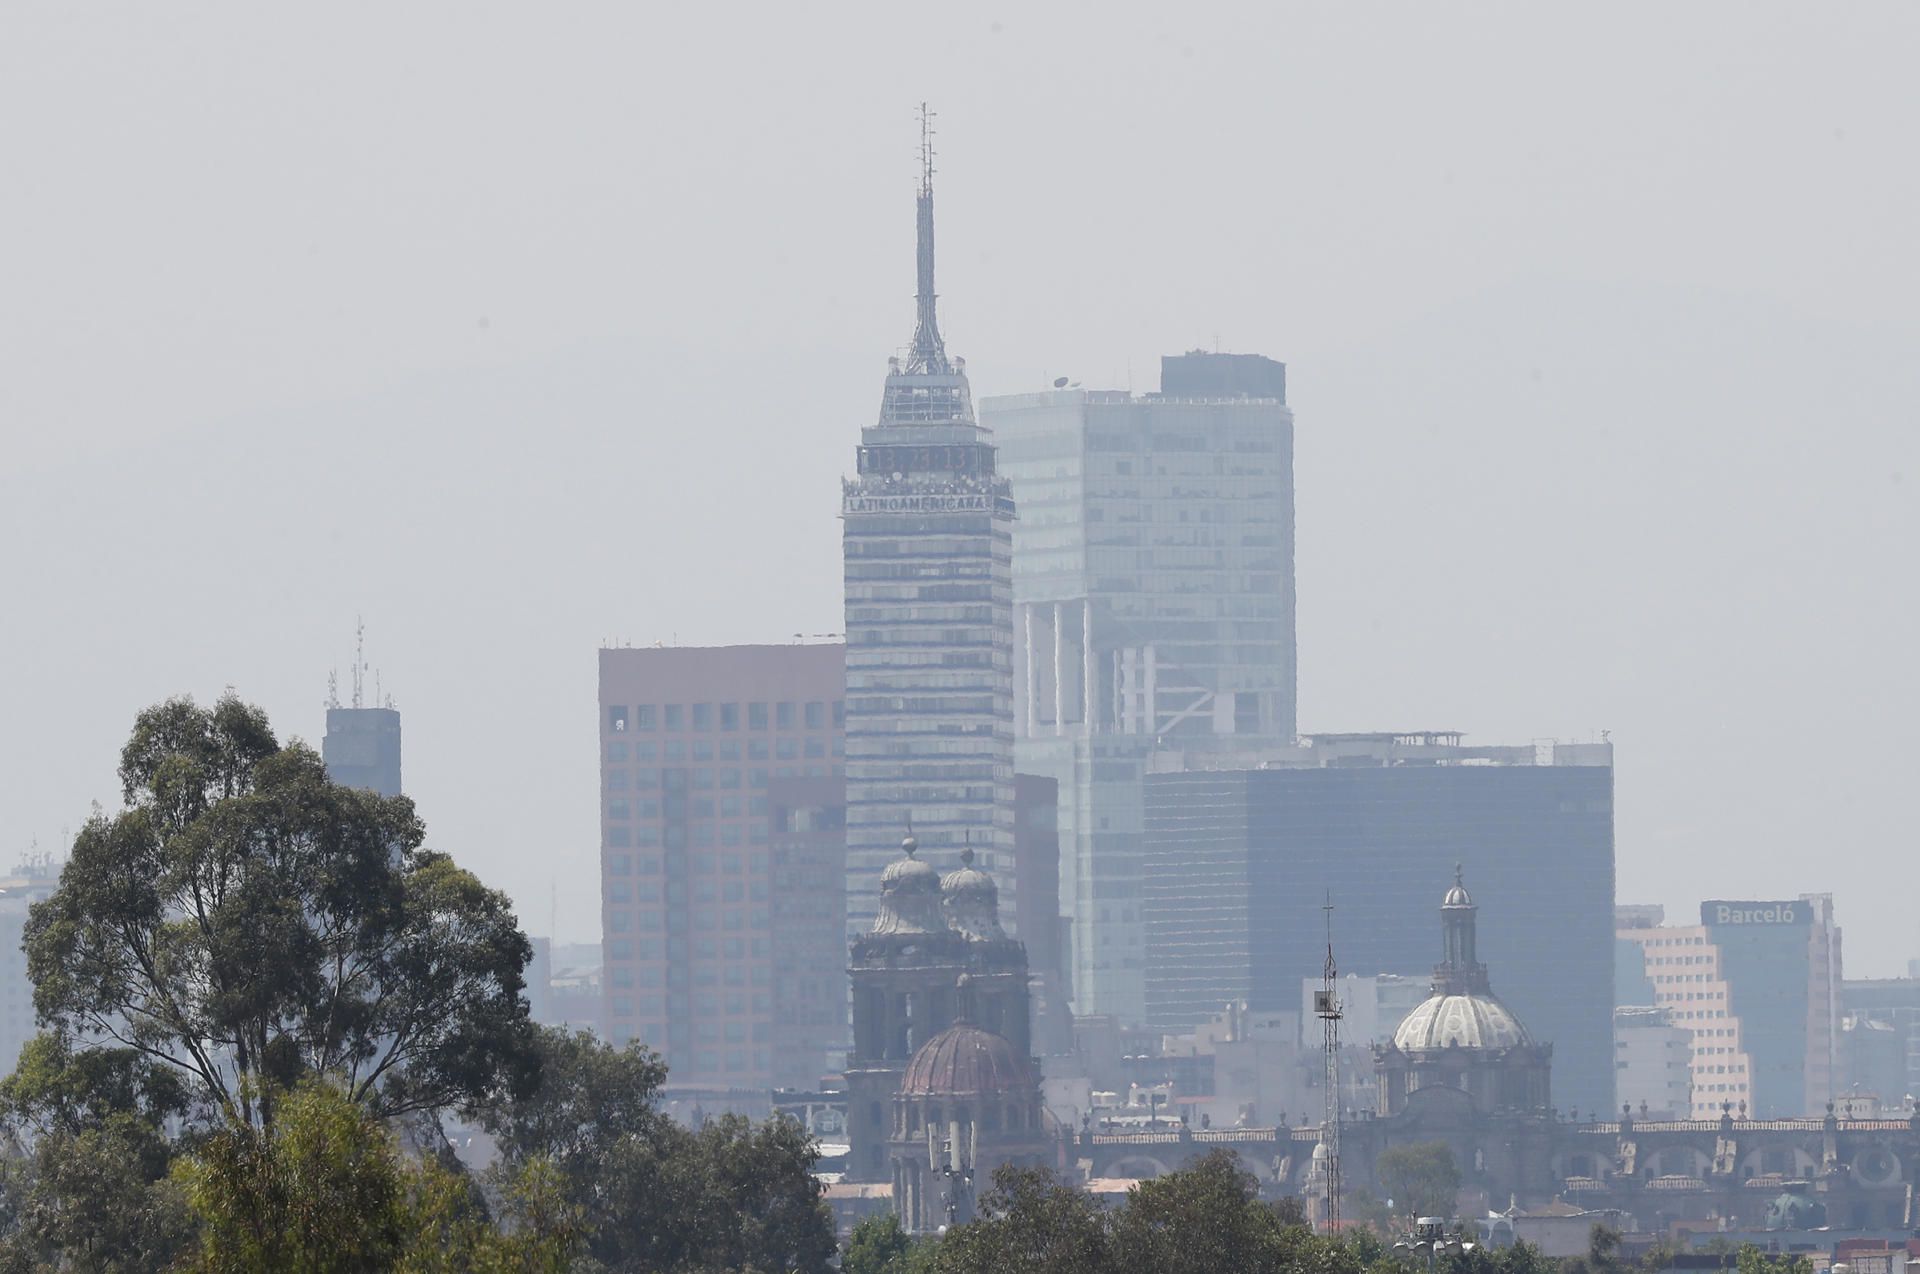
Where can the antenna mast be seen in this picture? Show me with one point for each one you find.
(1326, 1006)
(359, 658)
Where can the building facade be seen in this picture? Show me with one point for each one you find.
(693, 741)
(1756, 986)
(1652, 1063)
(929, 932)
(1241, 862)
(32, 881)
(927, 545)
(1154, 607)
(362, 748)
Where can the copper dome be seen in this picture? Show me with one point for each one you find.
(966, 1061)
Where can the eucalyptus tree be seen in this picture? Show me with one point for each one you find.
(248, 923)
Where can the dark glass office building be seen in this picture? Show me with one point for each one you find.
(362, 748)
(1239, 865)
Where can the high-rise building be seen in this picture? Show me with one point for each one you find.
(362, 748)
(929, 619)
(30, 882)
(1153, 608)
(808, 842)
(1756, 985)
(693, 741)
(1894, 1002)
(1241, 862)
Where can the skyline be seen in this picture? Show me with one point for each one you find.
(470, 466)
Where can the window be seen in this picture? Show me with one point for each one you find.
(617, 720)
(783, 716)
(757, 716)
(643, 717)
(757, 750)
(703, 716)
(674, 716)
(816, 716)
(616, 752)
(619, 811)
(729, 716)
(619, 837)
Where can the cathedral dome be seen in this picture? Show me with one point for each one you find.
(971, 901)
(967, 1061)
(909, 895)
(1460, 1021)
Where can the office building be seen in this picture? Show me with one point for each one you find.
(1241, 862)
(1153, 608)
(362, 748)
(927, 541)
(1893, 1002)
(1652, 1063)
(807, 852)
(693, 740)
(31, 881)
(1756, 985)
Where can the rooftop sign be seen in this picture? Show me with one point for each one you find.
(1794, 912)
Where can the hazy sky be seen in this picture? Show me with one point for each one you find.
(520, 328)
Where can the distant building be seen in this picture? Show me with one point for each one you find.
(30, 882)
(692, 741)
(808, 854)
(362, 748)
(927, 546)
(1153, 608)
(1241, 861)
(1757, 987)
(1896, 1003)
(1371, 1006)
(1652, 1063)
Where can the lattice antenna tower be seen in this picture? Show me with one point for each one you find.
(926, 149)
(1326, 1006)
(359, 659)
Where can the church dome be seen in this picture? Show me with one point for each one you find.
(909, 895)
(966, 1061)
(1460, 1021)
(971, 901)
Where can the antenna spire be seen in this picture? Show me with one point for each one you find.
(929, 352)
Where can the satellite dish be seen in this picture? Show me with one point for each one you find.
(1060, 382)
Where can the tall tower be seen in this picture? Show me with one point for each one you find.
(927, 540)
(1153, 613)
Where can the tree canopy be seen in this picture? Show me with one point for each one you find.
(1421, 1179)
(247, 922)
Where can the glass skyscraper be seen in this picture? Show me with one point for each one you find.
(927, 537)
(1153, 609)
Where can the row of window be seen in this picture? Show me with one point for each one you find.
(675, 950)
(706, 717)
(621, 810)
(650, 920)
(619, 751)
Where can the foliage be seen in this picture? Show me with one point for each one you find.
(881, 1245)
(88, 1189)
(247, 922)
(327, 1190)
(651, 1194)
(1751, 1260)
(1421, 1178)
(1205, 1217)
(96, 1199)
(1031, 1223)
